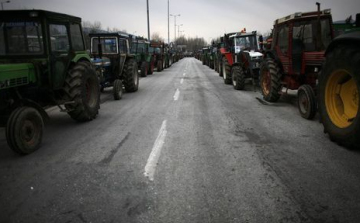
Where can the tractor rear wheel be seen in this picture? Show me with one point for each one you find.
(117, 89)
(215, 65)
(151, 67)
(270, 80)
(339, 93)
(82, 90)
(144, 69)
(238, 78)
(159, 64)
(226, 71)
(220, 68)
(307, 102)
(131, 79)
(163, 64)
(24, 130)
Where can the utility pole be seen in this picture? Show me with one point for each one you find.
(148, 21)
(168, 24)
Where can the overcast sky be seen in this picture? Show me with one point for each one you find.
(202, 18)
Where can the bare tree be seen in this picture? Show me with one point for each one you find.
(156, 37)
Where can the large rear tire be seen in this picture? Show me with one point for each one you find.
(220, 69)
(270, 80)
(131, 79)
(82, 89)
(24, 130)
(151, 67)
(226, 71)
(159, 64)
(339, 94)
(238, 78)
(307, 102)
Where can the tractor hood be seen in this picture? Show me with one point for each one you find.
(14, 75)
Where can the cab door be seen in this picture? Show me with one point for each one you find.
(59, 53)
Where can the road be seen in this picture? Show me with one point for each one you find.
(184, 148)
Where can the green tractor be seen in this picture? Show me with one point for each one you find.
(43, 63)
(158, 54)
(339, 88)
(116, 66)
(168, 56)
(140, 47)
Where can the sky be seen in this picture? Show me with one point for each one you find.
(199, 18)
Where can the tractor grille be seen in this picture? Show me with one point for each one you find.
(18, 81)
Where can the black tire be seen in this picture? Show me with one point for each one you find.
(158, 66)
(24, 130)
(307, 102)
(144, 69)
(226, 71)
(220, 68)
(203, 61)
(211, 64)
(215, 65)
(342, 66)
(82, 88)
(238, 78)
(117, 89)
(151, 67)
(131, 77)
(163, 64)
(270, 80)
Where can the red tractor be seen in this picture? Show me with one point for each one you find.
(296, 56)
(240, 58)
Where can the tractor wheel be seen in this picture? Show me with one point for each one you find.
(158, 67)
(203, 61)
(144, 69)
(220, 68)
(307, 102)
(24, 130)
(82, 89)
(151, 67)
(211, 64)
(339, 93)
(238, 78)
(226, 71)
(163, 64)
(131, 79)
(117, 89)
(270, 80)
(215, 66)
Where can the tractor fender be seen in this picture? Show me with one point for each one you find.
(347, 38)
(229, 58)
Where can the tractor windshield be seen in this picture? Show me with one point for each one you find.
(245, 43)
(313, 35)
(21, 38)
(139, 48)
(109, 45)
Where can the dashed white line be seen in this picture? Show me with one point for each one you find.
(177, 94)
(153, 159)
(182, 81)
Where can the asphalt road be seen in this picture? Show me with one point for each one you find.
(184, 148)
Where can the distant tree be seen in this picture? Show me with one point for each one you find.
(156, 37)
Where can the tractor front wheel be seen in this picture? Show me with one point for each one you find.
(226, 71)
(151, 67)
(270, 80)
(238, 78)
(24, 130)
(307, 102)
(339, 93)
(144, 69)
(159, 64)
(118, 89)
(82, 92)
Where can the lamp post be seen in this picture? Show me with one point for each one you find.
(174, 25)
(179, 28)
(168, 23)
(2, 4)
(148, 22)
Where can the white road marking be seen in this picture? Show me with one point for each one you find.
(182, 80)
(177, 94)
(153, 159)
(184, 74)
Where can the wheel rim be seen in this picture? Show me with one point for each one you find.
(303, 102)
(341, 98)
(30, 132)
(266, 82)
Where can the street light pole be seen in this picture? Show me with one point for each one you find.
(148, 21)
(168, 24)
(2, 4)
(175, 25)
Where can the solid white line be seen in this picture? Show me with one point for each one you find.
(182, 80)
(177, 94)
(153, 159)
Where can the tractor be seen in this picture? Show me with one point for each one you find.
(339, 88)
(296, 56)
(140, 47)
(115, 65)
(205, 55)
(158, 54)
(241, 58)
(43, 63)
